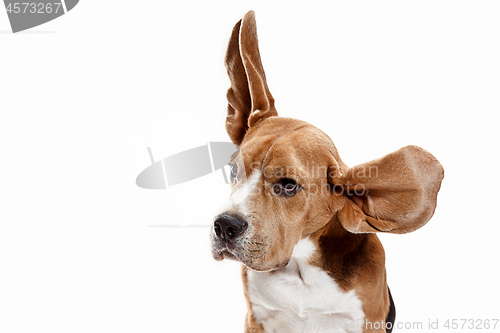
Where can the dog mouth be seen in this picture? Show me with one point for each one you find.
(243, 250)
(223, 254)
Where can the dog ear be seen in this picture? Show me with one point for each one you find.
(396, 193)
(249, 97)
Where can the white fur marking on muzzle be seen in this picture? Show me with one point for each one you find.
(240, 199)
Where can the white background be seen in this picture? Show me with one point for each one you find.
(83, 249)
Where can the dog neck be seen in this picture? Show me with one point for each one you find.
(311, 287)
(340, 252)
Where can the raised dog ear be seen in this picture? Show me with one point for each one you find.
(249, 97)
(396, 193)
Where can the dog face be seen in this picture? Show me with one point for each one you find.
(280, 193)
(288, 181)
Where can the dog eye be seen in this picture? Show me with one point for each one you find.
(286, 187)
(233, 171)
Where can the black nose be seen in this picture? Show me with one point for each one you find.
(228, 227)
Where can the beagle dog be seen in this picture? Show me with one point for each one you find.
(303, 223)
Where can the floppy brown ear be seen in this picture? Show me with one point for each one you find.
(249, 97)
(396, 193)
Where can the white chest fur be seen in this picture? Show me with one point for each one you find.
(302, 298)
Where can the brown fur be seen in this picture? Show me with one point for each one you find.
(339, 208)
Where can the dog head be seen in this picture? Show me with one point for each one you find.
(288, 181)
